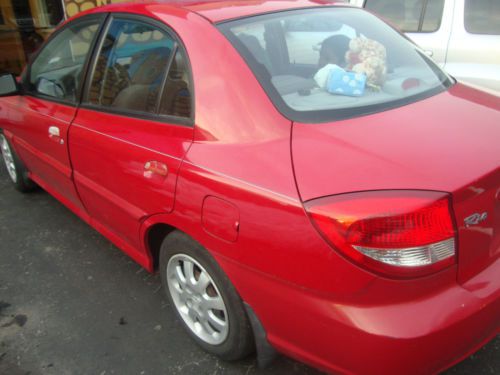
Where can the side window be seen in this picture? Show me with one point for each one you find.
(57, 70)
(433, 14)
(409, 15)
(482, 17)
(176, 98)
(131, 67)
(404, 14)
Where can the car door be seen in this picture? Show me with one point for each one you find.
(133, 128)
(426, 22)
(41, 117)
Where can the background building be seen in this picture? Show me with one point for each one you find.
(25, 24)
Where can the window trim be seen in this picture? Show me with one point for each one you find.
(168, 119)
(165, 77)
(178, 46)
(25, 77)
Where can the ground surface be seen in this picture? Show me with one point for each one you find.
(72, 303)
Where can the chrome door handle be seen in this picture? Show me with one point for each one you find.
(155, 167)
(54, 131)
(55, 134)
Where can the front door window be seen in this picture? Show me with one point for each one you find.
(57, 70)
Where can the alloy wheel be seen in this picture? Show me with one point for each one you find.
(197, 299)
(8, 158)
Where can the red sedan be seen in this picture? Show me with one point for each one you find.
(305, 179)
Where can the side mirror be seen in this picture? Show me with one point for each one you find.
(8, 85)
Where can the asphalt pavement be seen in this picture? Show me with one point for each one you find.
(72, 303)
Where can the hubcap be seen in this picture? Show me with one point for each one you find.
(197, 299)
(8, 158)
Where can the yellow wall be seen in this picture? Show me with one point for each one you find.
(75, 6)
(12, 55)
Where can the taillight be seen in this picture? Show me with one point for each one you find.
(397, 233)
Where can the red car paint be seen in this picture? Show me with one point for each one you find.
(453, 150)
(243, 157)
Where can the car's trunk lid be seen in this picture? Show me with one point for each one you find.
(477, 212)
(448, 143)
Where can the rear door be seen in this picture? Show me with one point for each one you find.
(134, 126)
(42, 116)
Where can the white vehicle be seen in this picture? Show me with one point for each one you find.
(463, 36)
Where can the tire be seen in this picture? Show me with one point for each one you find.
(16, 170)
(204, 300)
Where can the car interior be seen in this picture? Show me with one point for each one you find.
(130, 72)
(270, 46)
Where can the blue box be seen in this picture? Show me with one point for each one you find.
(341, 82)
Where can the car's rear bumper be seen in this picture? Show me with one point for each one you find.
(414, 337)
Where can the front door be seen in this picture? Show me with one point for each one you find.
(45, 112)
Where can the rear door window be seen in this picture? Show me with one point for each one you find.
(131, 67)
(412, 16)
(482, 16)
(176, 98)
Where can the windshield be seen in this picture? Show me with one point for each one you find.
(331, 63)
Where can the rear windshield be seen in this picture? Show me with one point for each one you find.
(330, 63)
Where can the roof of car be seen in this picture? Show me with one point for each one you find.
(218, 11)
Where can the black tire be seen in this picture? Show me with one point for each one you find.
(21, 180)
(239, 342)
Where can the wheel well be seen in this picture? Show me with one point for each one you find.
(156, 235)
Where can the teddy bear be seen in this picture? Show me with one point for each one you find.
(369, 57)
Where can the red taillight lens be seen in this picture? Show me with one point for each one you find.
(397, 233)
